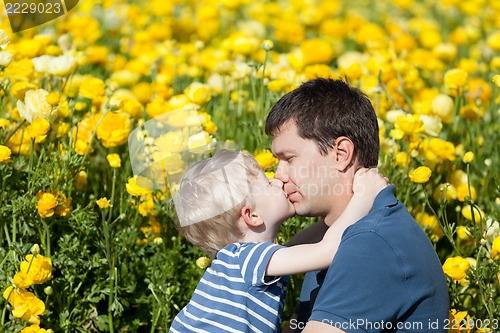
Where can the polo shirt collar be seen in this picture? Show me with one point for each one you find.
(385, 198)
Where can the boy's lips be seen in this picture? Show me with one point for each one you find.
(291, 195)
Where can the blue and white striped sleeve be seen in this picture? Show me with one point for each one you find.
(254, 258)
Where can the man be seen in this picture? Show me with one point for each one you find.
(386, 276)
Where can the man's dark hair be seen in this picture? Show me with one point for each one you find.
(325, 109)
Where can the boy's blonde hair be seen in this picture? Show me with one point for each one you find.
(211, 195)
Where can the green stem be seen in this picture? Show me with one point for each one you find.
(47, 238)
(7, 235)
(260, 106)
(93, 136)
(111, 296)
(14, 132)
(2, 321)
(112, 196)
(446, 230)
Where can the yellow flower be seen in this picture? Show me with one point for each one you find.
(35, 329)
(316, 50)
(409, 124)
(496, 80)
(459, 321)
(198, 93)
(83, 132)
(445, 191)
(463, 233)
(114, 129)
(437, 150)
(493, 41)
(402, 159)
(463, 191)
(266, 159)
(495, 248)
(471, 111)
(203, 262)
(134, 189)
(64, 207)
(269, 174)
(143, 92)
(61, 129)
(320, 71)
(25, 304)
(468, 157)
(4, 123)
(19, 89)
(124, 78)
(431, 223)
(442, 106)
(47, 202)
(103, 203)
(456, 267)
(147, 207)
(114, 160)
(35, 105)
(38, 129)
(53, 98)
(170, 142)
(5, 153)
(37, 268)
(420, 175)
(93, 88)
(22, 280)
(19, 143)
(455, 79)
(80, 180)
(467, 213)
(278, 85)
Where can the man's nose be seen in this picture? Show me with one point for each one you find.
(281, 173)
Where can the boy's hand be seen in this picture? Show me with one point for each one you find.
(368, 183)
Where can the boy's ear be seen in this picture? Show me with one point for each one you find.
(343, 152)
(251, 218)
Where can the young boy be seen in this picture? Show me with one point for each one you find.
(230, 209)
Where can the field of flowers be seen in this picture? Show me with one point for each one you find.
(85, 248)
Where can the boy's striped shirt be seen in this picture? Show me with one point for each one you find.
(234, 294)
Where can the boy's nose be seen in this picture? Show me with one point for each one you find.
(276, 182)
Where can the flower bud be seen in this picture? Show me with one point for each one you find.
(48, 290)
(267, 45)
(35, 249)
(468, 157)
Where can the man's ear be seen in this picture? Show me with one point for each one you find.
(344, 153)
(251, 218)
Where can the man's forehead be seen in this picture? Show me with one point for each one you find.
(283, 141)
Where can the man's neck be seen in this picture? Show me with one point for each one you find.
(337, 208)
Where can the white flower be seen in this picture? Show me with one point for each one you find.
(4, 39)
(393, 115)
(5, 58)
(41, 63)
(432, 124)
(35, 105)
(62, 65)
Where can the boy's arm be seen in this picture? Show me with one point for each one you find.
(312, 234)
(309, 257)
